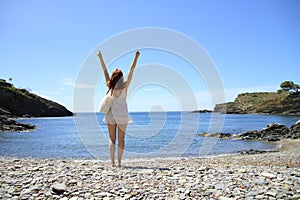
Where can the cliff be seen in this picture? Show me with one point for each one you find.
(20, 102)
(262, 103)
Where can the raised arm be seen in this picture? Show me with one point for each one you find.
(103, 66)
(137, 54)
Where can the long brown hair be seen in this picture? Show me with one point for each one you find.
(115, 77)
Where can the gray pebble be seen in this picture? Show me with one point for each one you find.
(59, 188)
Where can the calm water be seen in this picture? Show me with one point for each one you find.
(170, 134)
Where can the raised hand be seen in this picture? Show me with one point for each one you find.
(137, 53)
(99, 54)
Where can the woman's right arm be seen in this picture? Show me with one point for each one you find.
(103, 66)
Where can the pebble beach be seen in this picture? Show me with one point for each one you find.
(274, 175)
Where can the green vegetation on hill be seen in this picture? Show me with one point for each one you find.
(21, 102)
(289, 86)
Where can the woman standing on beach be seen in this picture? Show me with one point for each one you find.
(117, 117)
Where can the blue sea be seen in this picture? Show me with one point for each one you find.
(151, 135)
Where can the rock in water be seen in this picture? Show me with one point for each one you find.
(10, 125)
(295, 130)
(274, 132)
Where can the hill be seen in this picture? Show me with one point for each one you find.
(262, 103)
(22, 103)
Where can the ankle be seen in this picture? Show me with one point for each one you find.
(113, 164)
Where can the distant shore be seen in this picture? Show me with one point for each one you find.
(271, 103)
(269, 175)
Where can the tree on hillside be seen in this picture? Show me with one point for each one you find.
(290, 86)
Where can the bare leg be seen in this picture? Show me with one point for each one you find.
(112, 142)
(121, 141)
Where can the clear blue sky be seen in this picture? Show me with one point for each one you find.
(255, 44)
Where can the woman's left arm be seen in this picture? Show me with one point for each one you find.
(137, 54)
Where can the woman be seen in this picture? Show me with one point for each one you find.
(117, 117)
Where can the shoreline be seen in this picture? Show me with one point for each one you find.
(273, 175)
(288, 150)
(284, 147)
(152, 158)
(288, 144)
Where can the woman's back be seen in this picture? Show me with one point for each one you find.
(119, 108)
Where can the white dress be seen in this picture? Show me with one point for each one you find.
(118, 113)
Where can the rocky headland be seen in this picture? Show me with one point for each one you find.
(262, 103)
(22, 103)
(15, 102)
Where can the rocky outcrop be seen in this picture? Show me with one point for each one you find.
(228, 108)
(202, 111)
(219, 135)
(262, 103)
(253, 151)
(20, 103)
(10, 125)
(295, 130)
(273, 132)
